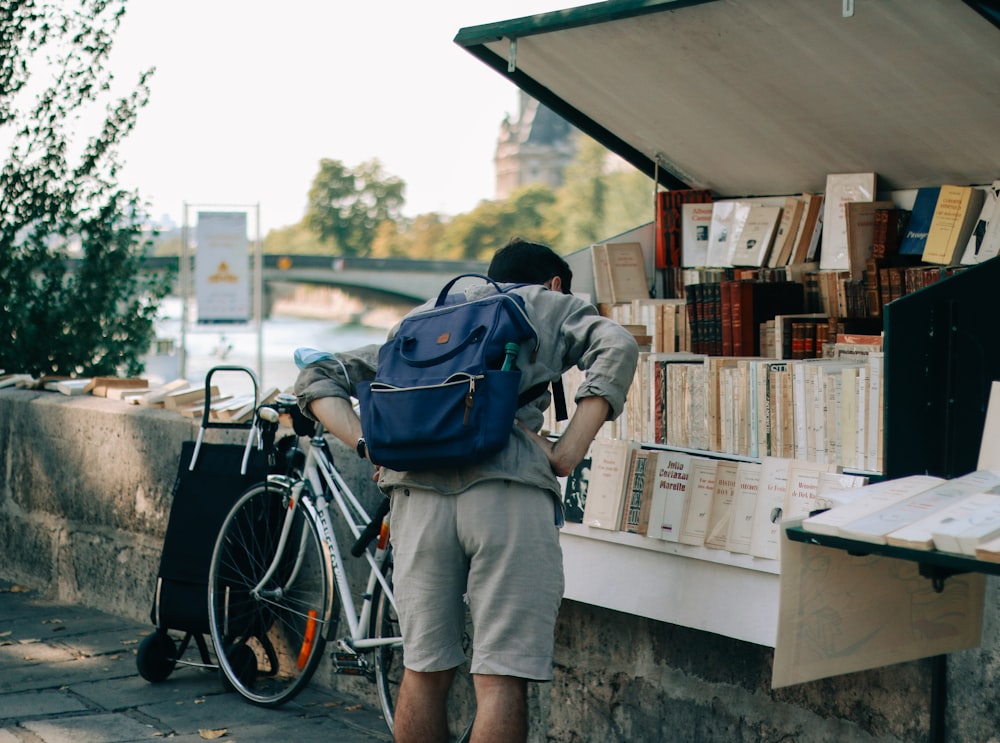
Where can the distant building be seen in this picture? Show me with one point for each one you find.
(533, 148)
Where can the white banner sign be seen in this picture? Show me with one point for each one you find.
(222, 267)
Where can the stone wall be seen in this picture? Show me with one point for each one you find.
(85, 494)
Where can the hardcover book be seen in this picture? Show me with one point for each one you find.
(628, 279)
(810, 228)
(860, 223)
(841, 189)
(955, 216)
(915, 235)
(784, 236)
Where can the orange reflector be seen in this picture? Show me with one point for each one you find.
(307, 640)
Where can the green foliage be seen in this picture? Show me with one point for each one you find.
(347, 206)
(478, 234)
(59, 198)
(296, 239)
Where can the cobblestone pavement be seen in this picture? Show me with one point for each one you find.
(68, 675)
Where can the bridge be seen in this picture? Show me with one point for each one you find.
(397, 277)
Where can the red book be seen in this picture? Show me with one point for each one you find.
(668, 223)
(729, 293)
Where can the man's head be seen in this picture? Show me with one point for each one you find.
(522, 262)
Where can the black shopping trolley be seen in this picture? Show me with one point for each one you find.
(210, 477)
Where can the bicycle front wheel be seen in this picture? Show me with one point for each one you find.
(269, 635)
(389, 668)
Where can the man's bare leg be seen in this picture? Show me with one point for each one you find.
(501, 709)
(421, 714)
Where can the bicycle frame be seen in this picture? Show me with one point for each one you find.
(321, 479)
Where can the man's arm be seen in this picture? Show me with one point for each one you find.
(338, 417)
(568, 450)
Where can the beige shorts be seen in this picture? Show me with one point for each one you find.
(495, 541)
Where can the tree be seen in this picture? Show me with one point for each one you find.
(477, 234)
(59, 197)
(347, 206)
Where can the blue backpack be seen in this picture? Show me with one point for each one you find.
(439, 398)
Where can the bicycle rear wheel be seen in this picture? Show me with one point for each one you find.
(269, 641)
(389, 668)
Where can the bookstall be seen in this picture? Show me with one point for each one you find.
(762, 99)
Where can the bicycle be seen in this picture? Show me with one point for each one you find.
(277, 584)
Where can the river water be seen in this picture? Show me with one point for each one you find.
(236, 345)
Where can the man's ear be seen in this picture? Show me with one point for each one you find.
(555, 284)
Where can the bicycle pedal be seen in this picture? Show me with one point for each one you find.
(349, 664)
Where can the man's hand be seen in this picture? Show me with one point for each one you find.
(570, 449)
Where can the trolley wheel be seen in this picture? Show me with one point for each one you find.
(156, 657)
(243, 661)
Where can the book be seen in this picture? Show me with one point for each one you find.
(975, 248)
(696, 222)
(860, 225)
(963, 535)
(188, 396)
(755, 302)
(156, 396)
(765, 529)
(802, 492)
(602, 274)
(784, 236)
(610, 462)
(744, 507)
(70, 386)
(719, 232)
(627, 277)
(989, 445)
(890, 225)
(575, 493)
(989, 551)
(915, 236)
(955, 216)
(753, 242)
(640, 482)
(101, 386)
(810, 228)
(700, 487)
(866, 501)
(721, 511)
(920, 534)
(841, 189)
(670, 501)
(671, 230)
(875, 526)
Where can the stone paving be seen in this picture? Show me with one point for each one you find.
(68, 675)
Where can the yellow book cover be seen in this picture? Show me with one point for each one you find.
(954, 219)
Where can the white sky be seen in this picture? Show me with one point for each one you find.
(248, 96)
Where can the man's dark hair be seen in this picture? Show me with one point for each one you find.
(523, 262)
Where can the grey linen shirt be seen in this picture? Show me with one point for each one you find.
(570, 333)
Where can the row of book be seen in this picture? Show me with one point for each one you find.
(695, 500)
(842, 228)
(827, 410)
(921, 512)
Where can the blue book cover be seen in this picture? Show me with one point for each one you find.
(920, 221)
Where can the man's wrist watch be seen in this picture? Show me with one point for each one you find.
(362, 448)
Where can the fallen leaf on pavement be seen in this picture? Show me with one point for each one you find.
(212, 734)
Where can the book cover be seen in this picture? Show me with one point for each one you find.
(610, 463)
(802, 493)
(722, 505)
(670, 501)
(841, 189)
(671, 231)
(955, 216)
(627, 275)
(765, 529)
(641, 479)
(575, 494)
(963, 535)
(696, 223)
(784, 236)
(753, 242)
(915, 236)
(866, 501)
(719, 232)
(602, 274)
(920, 534)
(976, 249)
(700, 487)
(875, 526)
(745, 494)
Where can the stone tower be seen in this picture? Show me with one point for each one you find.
(533, 148)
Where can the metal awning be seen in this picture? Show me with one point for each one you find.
(765, 97)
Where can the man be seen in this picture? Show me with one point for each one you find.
(489, 529)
